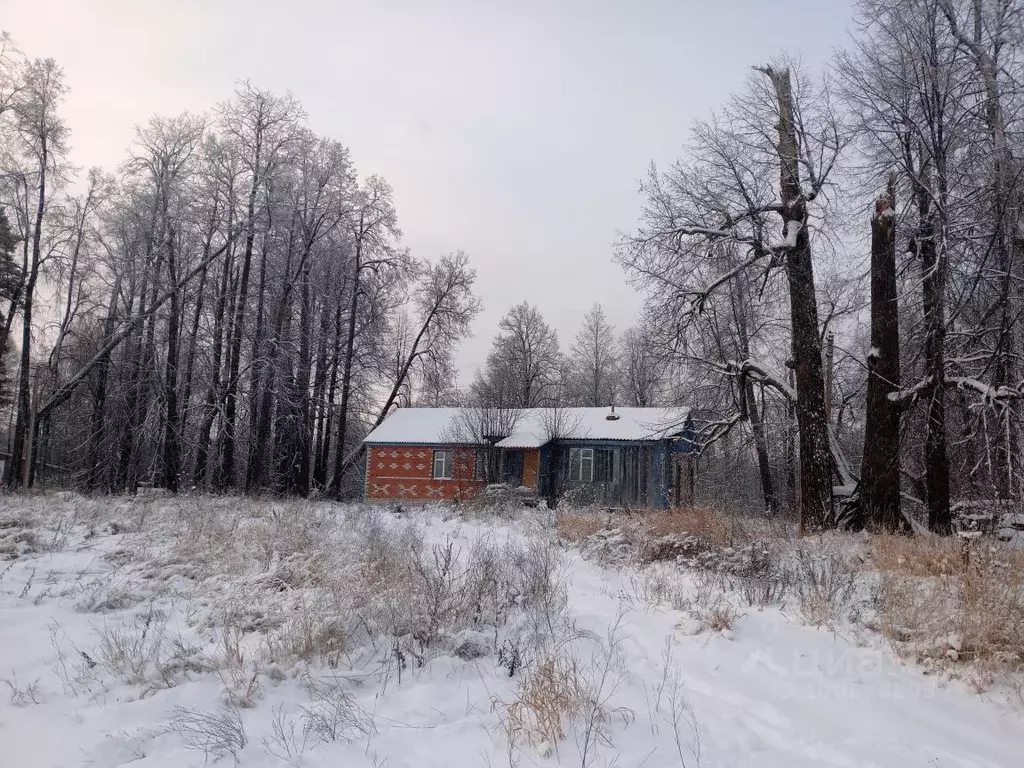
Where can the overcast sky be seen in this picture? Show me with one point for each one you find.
(514, 130)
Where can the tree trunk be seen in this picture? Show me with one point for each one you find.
(346, 375)
(319, 404)
(880, 468)
(261, 371)
(764, 469)
(172, 436)
(226, 471)
(936, 457)
(213, 395)
(300, 465)
(17, 473)
(815, 451)
(792, 434)
(128, 465)
(323, 459)
(748, 402)
(97, 427)
(193, 335)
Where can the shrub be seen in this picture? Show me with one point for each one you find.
(23, 696)
(285, 742)
(503, 499)
(142, 653)
(825, 586)
(333, 714)
(215, 734)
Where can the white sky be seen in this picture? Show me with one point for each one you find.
(516, 131)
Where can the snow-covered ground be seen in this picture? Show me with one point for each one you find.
(139, 631)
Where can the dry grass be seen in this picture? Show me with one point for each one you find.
(559, 689)
(551, 693)
(952, 599)
(644, 526)
(705, 522)
(236, 589)
(915, 555)
(720, 616)
(932, 555)
(575, 526)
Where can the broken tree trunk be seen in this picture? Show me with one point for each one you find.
(815, 451)
(880, 468)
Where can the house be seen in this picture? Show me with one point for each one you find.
(617, 457)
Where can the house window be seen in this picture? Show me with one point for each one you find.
(592, 465)
(480, 465)
(581, 463)
(442, 465)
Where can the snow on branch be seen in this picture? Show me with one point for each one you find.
(997, 397)
(993, 396)
(759, 374)
(913, 393)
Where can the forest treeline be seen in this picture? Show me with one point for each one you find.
(230, 308)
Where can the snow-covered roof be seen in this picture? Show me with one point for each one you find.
(417, 426)
(533, 427)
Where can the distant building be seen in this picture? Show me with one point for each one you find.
(616, 457)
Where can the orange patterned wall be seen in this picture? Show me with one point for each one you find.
(406, 472)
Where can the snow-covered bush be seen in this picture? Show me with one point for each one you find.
(17, 537)
(825, 585)
(503, 499)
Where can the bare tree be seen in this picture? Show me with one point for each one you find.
(445, 305)
(594, 361)
(373, 225)
(524, 365)
(725, 197)
(906, 84)
(989, 32)
(438, 382)
(642, 367)
(41, 137)
(262, 127)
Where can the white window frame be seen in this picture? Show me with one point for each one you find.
(446, 458)
(586, 460)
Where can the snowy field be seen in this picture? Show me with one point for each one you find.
(192, 631)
